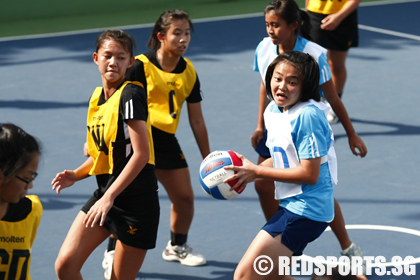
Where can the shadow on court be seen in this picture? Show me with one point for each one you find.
(238, 35)
(215, 274)
(64, 201)
(81, 58)
(40, 105)
(397, 129)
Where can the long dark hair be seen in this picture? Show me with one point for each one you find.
(291, 13)
(16, 149)
(162, 25)
(308, 69)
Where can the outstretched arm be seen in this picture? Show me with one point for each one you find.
(67, 178)
(198, 126)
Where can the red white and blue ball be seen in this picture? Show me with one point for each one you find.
(212, 174)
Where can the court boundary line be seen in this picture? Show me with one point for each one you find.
(374, 227)
(211, 19)
(379, 3)
(389, 32)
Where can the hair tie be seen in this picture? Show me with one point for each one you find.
(22, 133)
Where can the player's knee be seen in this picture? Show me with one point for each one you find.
(184, 200)
(64, 268)
(241, 273)
(338, 68)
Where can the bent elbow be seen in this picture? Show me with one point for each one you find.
(312, 179)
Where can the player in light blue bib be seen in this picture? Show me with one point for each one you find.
(288, 28)
(302, 164)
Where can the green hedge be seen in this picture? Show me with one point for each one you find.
(25, 17)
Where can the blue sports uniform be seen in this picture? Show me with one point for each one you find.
(302, 132)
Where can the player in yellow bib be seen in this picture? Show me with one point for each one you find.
(121, 155)
(170, 80)
(334, 26)
(20, 214)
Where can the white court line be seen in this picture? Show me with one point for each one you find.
(389, 32)
(137, 26)
(376, 227)
(379, 3)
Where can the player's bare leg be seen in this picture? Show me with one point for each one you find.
(339, 228)
(78, 245)
(263, 244)
(177, 184)
(265, 191)
(127, 261)
(337, 63)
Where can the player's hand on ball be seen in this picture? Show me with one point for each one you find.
(212, 174)
(63, 180)
(245, 173)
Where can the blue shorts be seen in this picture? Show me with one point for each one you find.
(296, 231)
(261, 148)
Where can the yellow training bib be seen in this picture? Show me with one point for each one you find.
(16, 239)
(102, 126)
(326, 7)
(166, 93)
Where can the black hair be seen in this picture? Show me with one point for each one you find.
(16, 149)
(162, 25)
(291, 13)
(119, 36)
(308, 69)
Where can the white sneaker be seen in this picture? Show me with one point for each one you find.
(183, 254)
(107, 263)
(354, 250)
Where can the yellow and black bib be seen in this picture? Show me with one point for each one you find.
(16, 239)
(102, 126)
(326, 7)
(166, 92)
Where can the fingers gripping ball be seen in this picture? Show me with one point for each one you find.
(212, 174)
